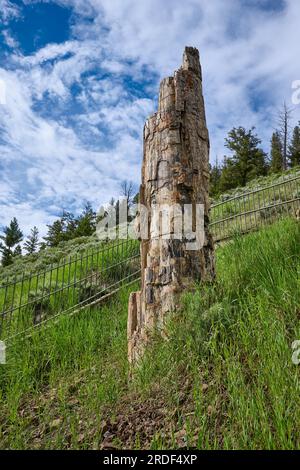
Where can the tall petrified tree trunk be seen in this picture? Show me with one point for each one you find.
(175, 172)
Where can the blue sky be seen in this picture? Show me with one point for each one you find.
(81, 77)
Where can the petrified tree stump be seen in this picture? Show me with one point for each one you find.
(175, 172)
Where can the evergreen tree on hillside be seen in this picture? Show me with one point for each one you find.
(276, 153)
(11, 239)
(62, 229)
(248, 160)
(55, 233)
(32, 242)
(69, 226)
(7, 256)
(86, 222)
(230, 176)
(18, 251)
(294, 148)
(215, 176)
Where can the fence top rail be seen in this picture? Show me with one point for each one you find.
(64, 261)
(257, 190)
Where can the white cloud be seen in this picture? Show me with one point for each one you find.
(9, 39)
(61, 150)
(49, 159)
(8, 10)
(240, 48)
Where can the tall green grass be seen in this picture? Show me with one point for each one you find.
(56, 381)
(225, 373)
(233, 342)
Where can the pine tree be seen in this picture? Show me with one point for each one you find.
(86, 222)
(17, 251)
(276, 153)
(55, 233)
(248, 160)
(11, 239)
(294, 148)
(215, 176)
(69, 226)
(32, 242)
(7, 255)
(230, 176)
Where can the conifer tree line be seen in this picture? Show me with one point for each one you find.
(248, 160)
(65, 228)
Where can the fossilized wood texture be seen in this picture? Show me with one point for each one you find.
(175, 171)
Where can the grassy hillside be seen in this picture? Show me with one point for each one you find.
(258, 183)
(262, 202)
(71, 283)
(39, 261)
(225, 379)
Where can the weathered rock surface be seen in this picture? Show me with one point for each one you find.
(175, 171)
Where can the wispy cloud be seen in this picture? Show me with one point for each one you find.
(72, 125)
(8, 10)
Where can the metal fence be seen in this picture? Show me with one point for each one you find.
(85, 279)
(72, 284)
(250, 211)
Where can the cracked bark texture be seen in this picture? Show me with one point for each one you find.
(175, 171)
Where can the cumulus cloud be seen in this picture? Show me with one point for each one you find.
(248, 52)
(72, 125)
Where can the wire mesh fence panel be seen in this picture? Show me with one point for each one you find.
(82, 280)
(73, 283)
(252, 210)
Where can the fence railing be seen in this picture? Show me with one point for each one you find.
(85, 279)
(70, 285)
(250, 211)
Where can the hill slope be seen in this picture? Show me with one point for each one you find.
(225, 379)
(258, 183)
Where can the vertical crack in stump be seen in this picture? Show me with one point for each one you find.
(175, 171)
